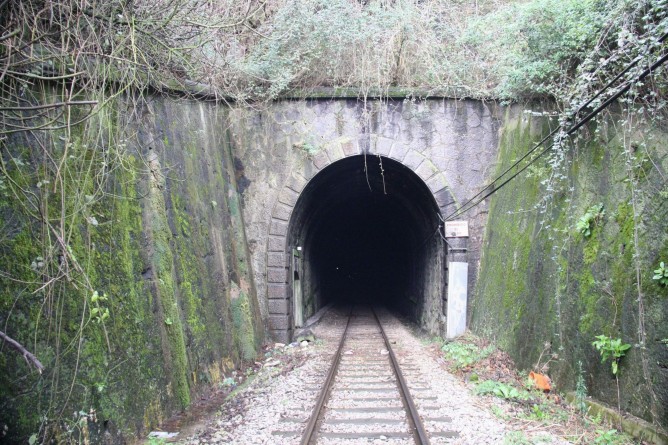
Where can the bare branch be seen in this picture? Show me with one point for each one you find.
(27, 355)
(54, 105)
(11, 34)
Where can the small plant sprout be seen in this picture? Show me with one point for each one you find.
(661, 274)
(229, 381)
(97, 311)
(611, 348)
(499, 389)
(607, 437)
(581, 390)
(465, 354)
(586, 223)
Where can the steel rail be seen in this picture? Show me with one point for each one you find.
(413, 417)
(419, 431)
(309, 433)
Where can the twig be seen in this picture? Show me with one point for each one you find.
(27, 355)
(11, 34)
(53, 105)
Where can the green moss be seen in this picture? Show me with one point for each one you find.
(166, 292)
(187, 266)
(158, 251)
(192, 308)
(591, 246)
(128, 376)
(117, 357)
(625, 220)
(510, 245)
(598, 155)
(588, 303)
(244, 333)
(591, 287)
(622, 249)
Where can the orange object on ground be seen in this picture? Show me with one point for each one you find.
(542, 382)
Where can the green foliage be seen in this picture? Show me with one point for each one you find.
(539, 412)
(498, 389)
(581, 390)
(555, 36)
(465, 354)
(228, 381)
(608, 437)
(311, 43)
(566, 50)
(97, 311)
(516, 438)
(310, 149)
(489, 48)
(469, 49)
(244, 334)
(586, 222)
(521, 438)
(612, 348)
(156, 441)
(661, 274)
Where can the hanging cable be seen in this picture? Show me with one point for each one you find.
(492, 188)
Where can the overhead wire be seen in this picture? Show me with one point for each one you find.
(492, 188)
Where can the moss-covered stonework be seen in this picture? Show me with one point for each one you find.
(552, 290)
(148, 212)
(145, 209)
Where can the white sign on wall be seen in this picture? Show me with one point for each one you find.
(457, 229)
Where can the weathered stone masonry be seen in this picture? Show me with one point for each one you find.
(450, 144)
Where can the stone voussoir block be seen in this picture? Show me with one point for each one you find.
(335, 152)
(444, 197)
(427, 170)
(436, 183)
(278, 227)
(282, 212)
(277, 275)
(276, 259)
(288, 197)
(384, 146)
(278, 322)
(276, 244)
(321, 160)
(278, 306)
(277, 291)
(398, 151)
(349, 148)
(296, 183)
(413, 159)
(309, 169)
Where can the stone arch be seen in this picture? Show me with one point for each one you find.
(278, 258)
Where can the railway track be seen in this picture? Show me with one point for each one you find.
(366, 398)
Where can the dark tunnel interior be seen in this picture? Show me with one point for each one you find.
(365, 230)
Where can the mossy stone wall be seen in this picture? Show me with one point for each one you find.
(552, 290)
(162, 240)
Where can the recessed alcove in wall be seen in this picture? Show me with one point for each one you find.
(365, 229)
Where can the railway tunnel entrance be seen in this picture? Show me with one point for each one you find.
(366, 229)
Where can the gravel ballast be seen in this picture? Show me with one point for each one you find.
(274, 407)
